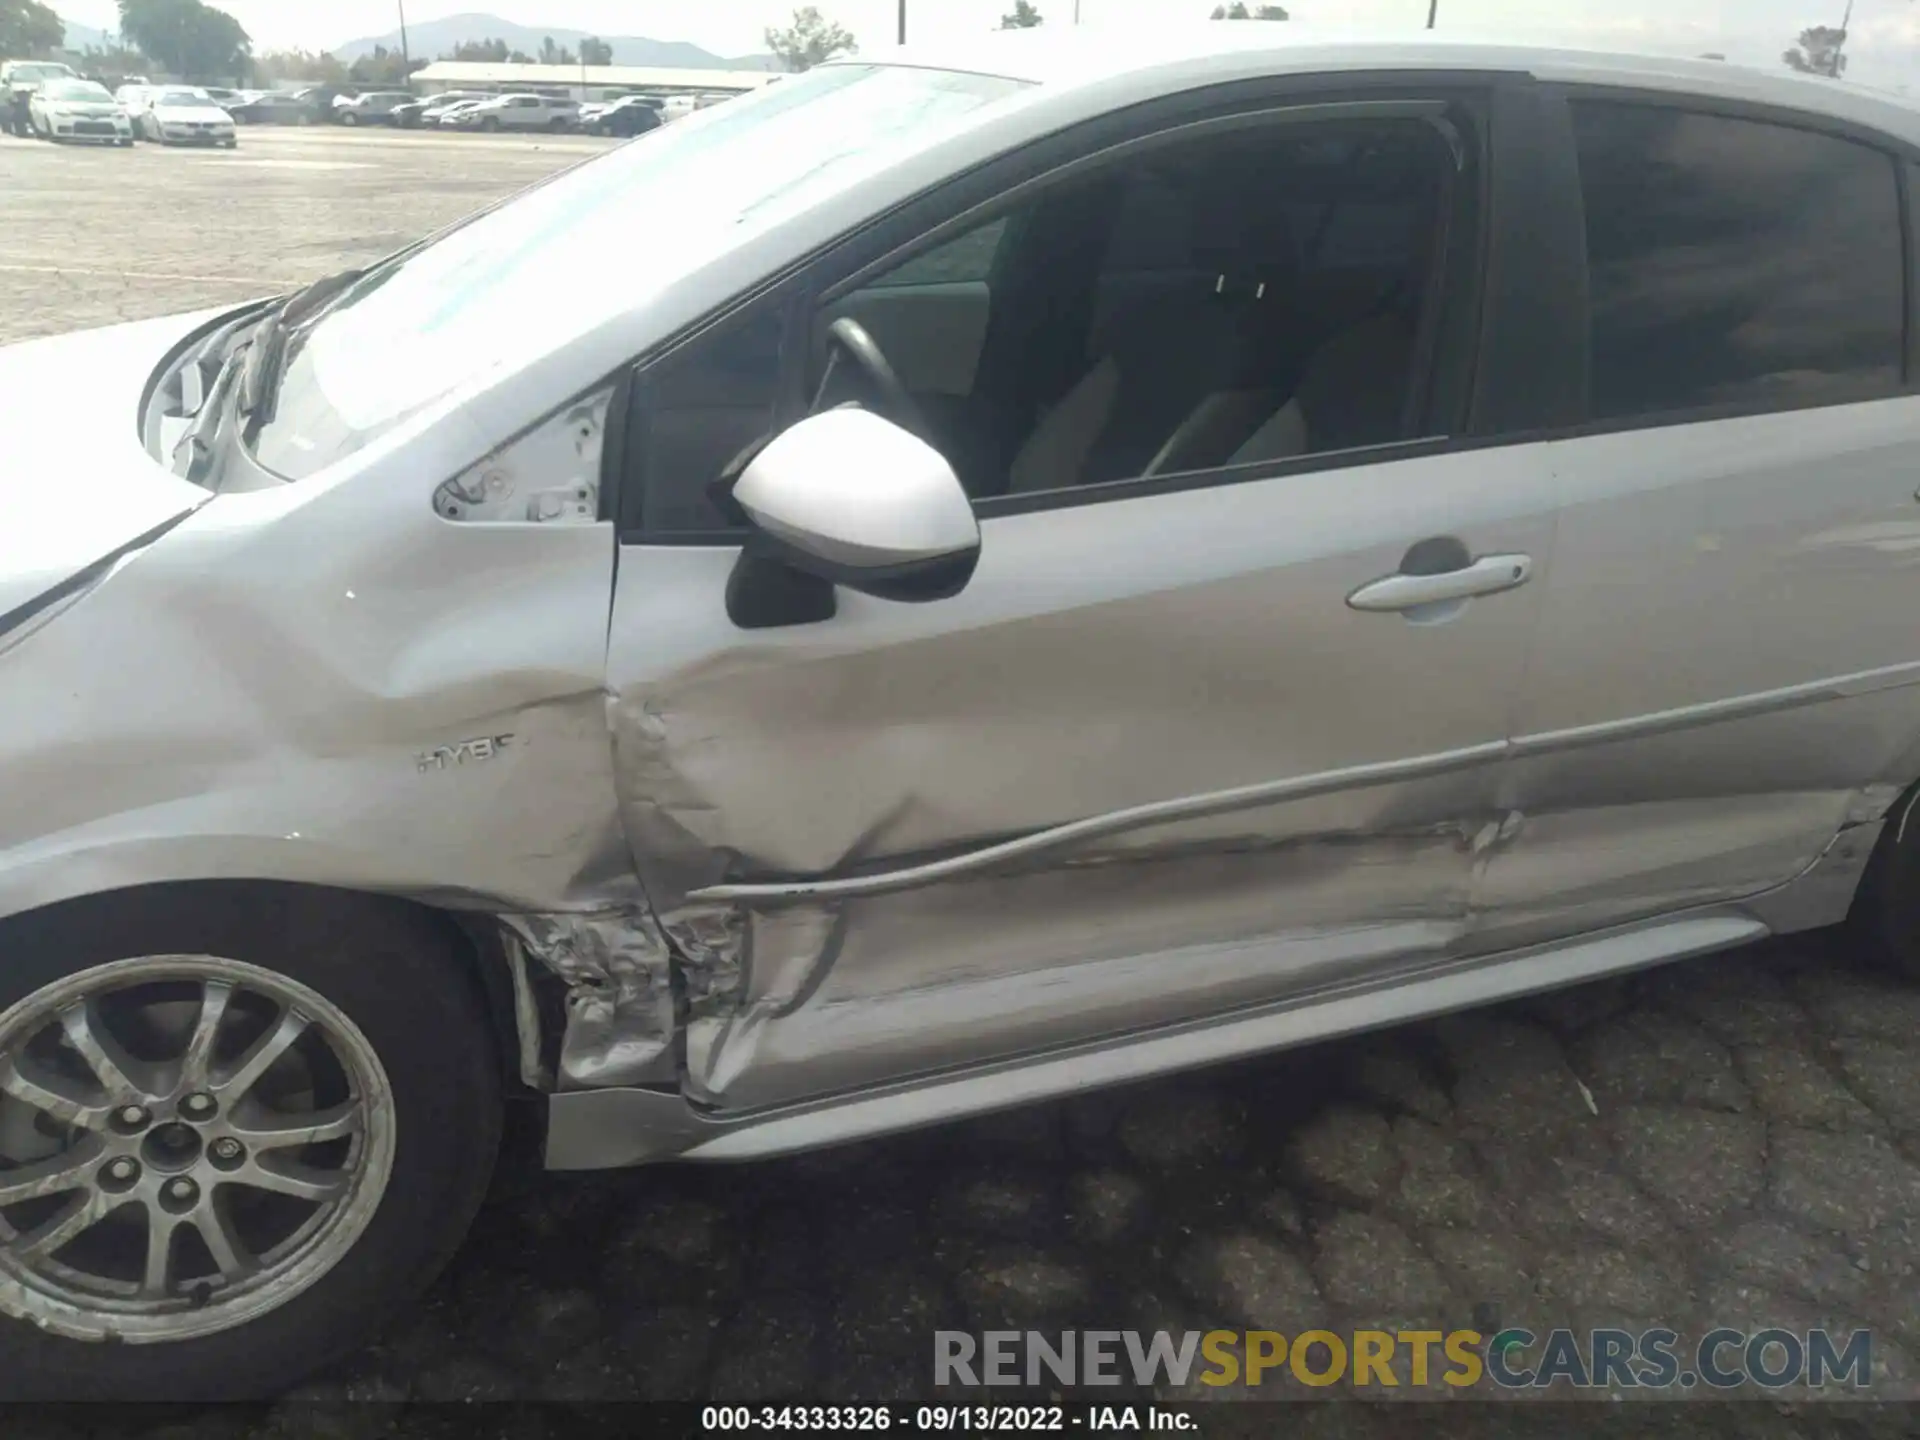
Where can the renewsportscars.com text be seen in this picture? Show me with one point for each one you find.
(1511, 1359)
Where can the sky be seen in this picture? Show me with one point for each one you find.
(1884, 46)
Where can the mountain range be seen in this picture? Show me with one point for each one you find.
(438, 37)
(84, 37)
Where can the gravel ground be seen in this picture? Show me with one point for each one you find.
(1734, 1141)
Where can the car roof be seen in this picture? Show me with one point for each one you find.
(1137, 64)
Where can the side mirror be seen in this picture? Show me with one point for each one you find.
(852, 499)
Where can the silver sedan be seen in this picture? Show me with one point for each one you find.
(919, 590)
(78, 110)
(180, 115)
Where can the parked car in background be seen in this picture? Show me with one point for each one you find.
(79, 110)
(222, 96)
(322, 97)
(272, 107)
(427, 109)
(18, 80)
(440, 117)
(516, 112)
(373, 107)
(629, 115)
(181, 115)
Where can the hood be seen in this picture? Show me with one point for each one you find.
(75, 484)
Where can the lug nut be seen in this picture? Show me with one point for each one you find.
(227, 1149)
(197, 1107)
(123, 1169)
(132, 1116)
(182, 1189)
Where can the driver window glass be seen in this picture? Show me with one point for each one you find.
(694, 412)
(1158, 317)
(967, 260)
(1163, 316)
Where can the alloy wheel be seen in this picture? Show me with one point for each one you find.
(186, 1142)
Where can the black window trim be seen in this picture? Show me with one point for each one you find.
(1898, 153)
(972, 197)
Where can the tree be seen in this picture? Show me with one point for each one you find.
(1820, 52)
(810, 40)
(552, 54)
(187, 39)
(595, 51)
(110, 64)
(321, 69)
(1024, 17)
(1239, 11)
(384, 69)
(29, 28)
(484, 52)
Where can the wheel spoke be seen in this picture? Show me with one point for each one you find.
(51, 1095)
(222, 1240)
(55, 1175)
(118, 1073)
(62, 1229)
(196, 1064)
(286, 1177)
(260, 1057)
(159, 1269)
(265, 1130)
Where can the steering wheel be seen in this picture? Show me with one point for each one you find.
(854, 341)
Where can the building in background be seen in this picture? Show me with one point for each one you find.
(583, 82)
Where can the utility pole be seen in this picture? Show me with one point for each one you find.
(1433, 12)
(903, 22)
(1838, 63)
(406, 56)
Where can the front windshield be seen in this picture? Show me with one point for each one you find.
(77, 90)
(597, 239)
(181, 99)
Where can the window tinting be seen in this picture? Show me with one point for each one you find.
(966, 259)
(1734, 262)
(696, 411)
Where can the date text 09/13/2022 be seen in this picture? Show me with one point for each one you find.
(946, 1419)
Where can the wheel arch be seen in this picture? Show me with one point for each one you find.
(473, 936)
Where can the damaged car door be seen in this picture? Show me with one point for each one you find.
(1212, 726)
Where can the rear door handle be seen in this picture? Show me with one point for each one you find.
(1489, 575)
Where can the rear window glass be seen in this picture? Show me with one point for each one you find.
(1736, 262)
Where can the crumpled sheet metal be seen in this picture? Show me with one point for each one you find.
(618, 970)
(831, 996)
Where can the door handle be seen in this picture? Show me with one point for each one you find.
(1489, 575)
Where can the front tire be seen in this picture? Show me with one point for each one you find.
(305, 1082)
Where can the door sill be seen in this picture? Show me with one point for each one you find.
(605, 1129)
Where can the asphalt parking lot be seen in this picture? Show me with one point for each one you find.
(94, 235)
(1734, 1141)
